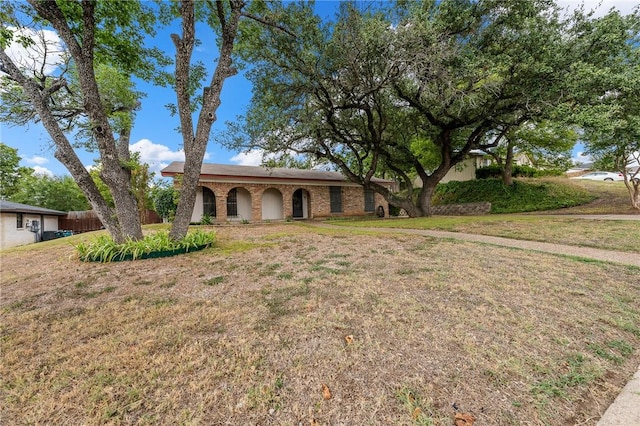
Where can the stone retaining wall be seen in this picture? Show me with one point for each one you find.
(466, 209)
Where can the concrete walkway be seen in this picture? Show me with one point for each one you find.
(625, 258)
(625, 410)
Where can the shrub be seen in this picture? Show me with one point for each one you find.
(206, 219)
(494, 171)
(104, 249)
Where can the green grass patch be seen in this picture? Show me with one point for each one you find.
(580, 372)
(214, 280)
(420, 410)
(275, 299)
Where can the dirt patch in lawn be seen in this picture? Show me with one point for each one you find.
(282, 324)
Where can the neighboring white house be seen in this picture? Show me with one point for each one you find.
(475, 159)
(23, 224)
(466, 169)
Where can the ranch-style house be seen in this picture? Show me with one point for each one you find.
(253, 193)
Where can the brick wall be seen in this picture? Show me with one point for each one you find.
(319, 204)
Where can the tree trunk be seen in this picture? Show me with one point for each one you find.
(507, 170)
(195, 145)
(507, 173)
(633, 186)
(125, 223)
(424, 199)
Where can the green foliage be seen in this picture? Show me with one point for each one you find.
(165, 200)
(104, 249)
(206, 219)
(11, 173)
(140, 181)
(495, 171)
(610, 111)
(413, 101)
(102, 187)
(87, 84)
(522, 196)
(57, 193)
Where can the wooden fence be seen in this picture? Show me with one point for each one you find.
(85, 221)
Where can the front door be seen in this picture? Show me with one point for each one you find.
(297, 203)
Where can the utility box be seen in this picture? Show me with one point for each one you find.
(49, 235)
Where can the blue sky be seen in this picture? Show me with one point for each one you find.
(154, 133)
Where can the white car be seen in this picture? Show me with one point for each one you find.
(608, 176)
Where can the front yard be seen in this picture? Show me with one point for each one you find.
(287, 324)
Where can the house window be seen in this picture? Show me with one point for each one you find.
(232, 203)
(208, 202)
(335, 197)
(19, 220)
(369, 200)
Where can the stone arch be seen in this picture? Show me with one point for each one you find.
(199, 208)
(239, 204)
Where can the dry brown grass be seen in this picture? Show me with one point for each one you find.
(249, 332)
(587, 231)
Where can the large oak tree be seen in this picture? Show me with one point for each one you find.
(379, 91)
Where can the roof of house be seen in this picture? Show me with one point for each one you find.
(11, 207)
(227, 171)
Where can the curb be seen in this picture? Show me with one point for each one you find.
(625, 410)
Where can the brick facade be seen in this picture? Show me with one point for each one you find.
(263, 193)
(318, 201)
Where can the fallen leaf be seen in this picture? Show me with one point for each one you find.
(326, 393)
(416, 413)
(348, 339)
(464, 419)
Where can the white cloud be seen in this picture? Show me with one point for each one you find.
(42, 171)
(249, 158)
(44, 55)
(581, 158)
(153, 152)
(158, 156)
(601, 7)
(37, 160)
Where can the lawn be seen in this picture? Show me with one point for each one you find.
(287, 324)
(620, 235)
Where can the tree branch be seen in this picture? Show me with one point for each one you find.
(267, 23)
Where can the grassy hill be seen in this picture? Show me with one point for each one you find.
(546, 194)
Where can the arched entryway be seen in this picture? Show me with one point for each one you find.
(300, 204)
(239, 204)
(208, 202)
(272, 207)
(205, 204)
